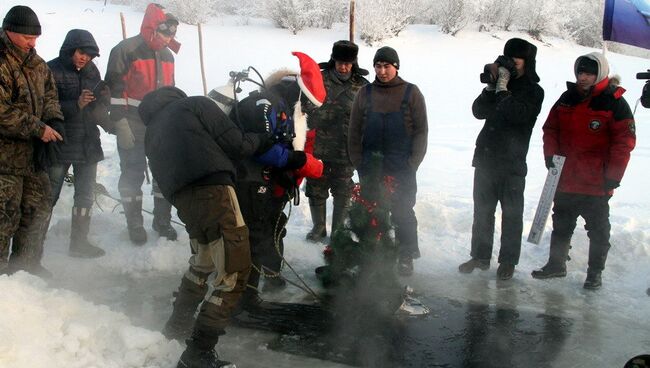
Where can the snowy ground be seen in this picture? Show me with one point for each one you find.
(107, 312)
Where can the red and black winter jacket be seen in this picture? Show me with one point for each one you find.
(595, 133)
(137, 66)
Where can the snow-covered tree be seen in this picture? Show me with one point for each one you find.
(452, 15)
(190, 11)
(379, 20)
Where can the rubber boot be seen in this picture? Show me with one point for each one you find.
(134, 221)
(162, 215)
(318, 213)
(340, 212)
(558, 255)
(188, 297)
(200, 352)
(79, 245)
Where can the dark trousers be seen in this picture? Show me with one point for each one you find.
(402, 215)
(336, 177)
(595, 210)
(490, 188)
(84, 183)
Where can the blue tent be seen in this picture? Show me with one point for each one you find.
(627, 21)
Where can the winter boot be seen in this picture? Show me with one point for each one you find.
(79, 245)
(340, 212)
(505, 271)
(134, 221)
(469, 266)
(188, 297)
(318, 213)
(162, 218)
(594, 280)
(558, 255)
(200, 353)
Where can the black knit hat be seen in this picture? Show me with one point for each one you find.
(345, 51)
(388, 55)
(586, 65)
(22, 19)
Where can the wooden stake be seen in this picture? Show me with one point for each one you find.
(123, 26)
(351, 20)
(205, 86)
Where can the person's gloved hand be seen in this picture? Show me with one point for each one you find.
(125, 138)
(611, 184)
(502, 81)
(296, 160)
(508, 63)
(548, 160)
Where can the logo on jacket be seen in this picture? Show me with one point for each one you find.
(594, 125)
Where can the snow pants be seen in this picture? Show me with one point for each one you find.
(595, 210)
(492, 187)
(219, 241)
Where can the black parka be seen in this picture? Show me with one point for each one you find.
(502, 144)
(82, 143)
(189, 141)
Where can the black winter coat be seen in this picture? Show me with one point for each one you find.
(81, 142)
(190, 142)
(502, 144)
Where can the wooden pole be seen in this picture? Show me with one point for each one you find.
(351, 20)
(123, 26)
(205, 85)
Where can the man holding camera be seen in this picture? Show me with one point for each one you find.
(593, 127)
(509, 104)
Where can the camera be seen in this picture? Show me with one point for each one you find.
(490, 73)
(645, 94)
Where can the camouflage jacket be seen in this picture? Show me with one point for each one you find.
(28, 97)
(331, 120)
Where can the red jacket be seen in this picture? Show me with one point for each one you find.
(595, 133)
(139, 65)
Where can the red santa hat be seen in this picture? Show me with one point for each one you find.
(310, 79)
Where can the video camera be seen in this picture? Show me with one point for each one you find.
(645, 94)
(491, 71)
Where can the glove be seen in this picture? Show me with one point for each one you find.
(502, 81)
(296, 160)
(508, 63)
(548, 160)
(125, 138)
(267, 140)
(611, 184)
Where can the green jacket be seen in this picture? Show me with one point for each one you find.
(28, 98)
(331, 120)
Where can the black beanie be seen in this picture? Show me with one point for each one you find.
(387, 54)
(586, 65)
(345, 51)
(22, 19)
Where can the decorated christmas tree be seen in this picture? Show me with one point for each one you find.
(361, 256)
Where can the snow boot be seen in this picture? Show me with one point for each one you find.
(200, 352)
(80, 247)
(505, 271)
(340, 212)
(134, 221)
(594, 280)
(162, 219)
(558, 255)
(318, 213)
(469, 266)
(188, 297)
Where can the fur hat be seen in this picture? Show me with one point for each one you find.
(388, 55)
(522, 49)
(594, 63)
(22, 19)
(345, 51)
(310, 79)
